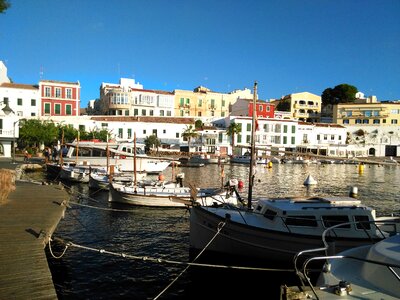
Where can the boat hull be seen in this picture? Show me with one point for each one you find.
(168, 197)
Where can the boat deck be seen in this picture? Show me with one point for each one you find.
(27, 220)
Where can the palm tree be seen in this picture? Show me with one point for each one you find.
(189, 133)
(234, 128)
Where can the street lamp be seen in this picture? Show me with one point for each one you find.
(13, 156)
(6, 109)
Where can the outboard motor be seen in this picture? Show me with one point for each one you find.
(179, 178)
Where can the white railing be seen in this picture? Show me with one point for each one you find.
(6, 133)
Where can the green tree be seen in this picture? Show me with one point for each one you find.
(342, 93)
(189, 133)
(4, 5)
(152, 141)
(234, 128)
(34, 132)
(198, 124)
(283, 105)
(69, 132)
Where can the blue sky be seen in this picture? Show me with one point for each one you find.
(288, 46)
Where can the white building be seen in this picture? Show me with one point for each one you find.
(168, 130)
(273, 134)
(130, 99)
(322, 139)
(16, 101)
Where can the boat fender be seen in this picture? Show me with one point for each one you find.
(240, 184)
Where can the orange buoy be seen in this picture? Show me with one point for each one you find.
(161, 177)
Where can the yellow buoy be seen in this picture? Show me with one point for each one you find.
(361, 168)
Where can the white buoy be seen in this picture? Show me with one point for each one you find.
(310, 180)
(353, 192)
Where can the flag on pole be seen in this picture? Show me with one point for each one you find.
(256, 120)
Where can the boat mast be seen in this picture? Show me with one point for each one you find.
(134, 159)
(253, 148)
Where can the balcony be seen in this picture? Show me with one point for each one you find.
(6, 133)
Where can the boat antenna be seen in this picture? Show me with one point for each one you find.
(253, 148)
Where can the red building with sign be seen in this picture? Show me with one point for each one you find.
(60, 98)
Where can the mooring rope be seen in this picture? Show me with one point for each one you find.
(162, 260)
(219, 228)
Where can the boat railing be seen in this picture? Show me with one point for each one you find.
(366, 226)
(326, 232)
(303, 274)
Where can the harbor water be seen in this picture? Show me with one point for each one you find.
(144, 234)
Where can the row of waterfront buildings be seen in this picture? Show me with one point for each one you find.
(366, 127)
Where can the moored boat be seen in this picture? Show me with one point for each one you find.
(365, 272)
(276, 229)
(170, 194)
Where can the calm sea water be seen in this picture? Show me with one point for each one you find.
(164, 233)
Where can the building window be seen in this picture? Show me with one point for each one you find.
(144, 131)
(393, 121)
(284, 129)
(318, 137)
(346, 121)
(181, 113)
(47, 108)
(57, 109)
(164, 131)
(268, 108)
(33, 114)
(143, 112)
(68, 109)
(177, 135)
(239, 138)
(19, 101)
(332, 137)
(212, 103)
(248, 139)
(47, 91)
(161, 113)
(155, 132)
(358, 121)
(69, 93)
(285, 140)
(248, 127)
(104, 125)
(222, 114)
(120, 132)
(365, 121)
(260, 108)
(168, 113)
(135, 112)
(181, 102)
(223, 103)
(126, 111)
(33, 102)
(376, 121)
(200, 103)
(58, 92)
(129, 133)
(151, 112)
(293, 129)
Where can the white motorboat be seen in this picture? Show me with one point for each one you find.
(170, 194)
(101, 180)
(120, 155)
(276, 229)
(365, 272)
(74, 173)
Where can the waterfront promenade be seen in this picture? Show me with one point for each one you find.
(28, 219)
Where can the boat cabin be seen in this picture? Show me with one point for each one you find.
(317, 212)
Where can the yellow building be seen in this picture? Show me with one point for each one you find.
(303, 106)
(202, 102)
(374, 113)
